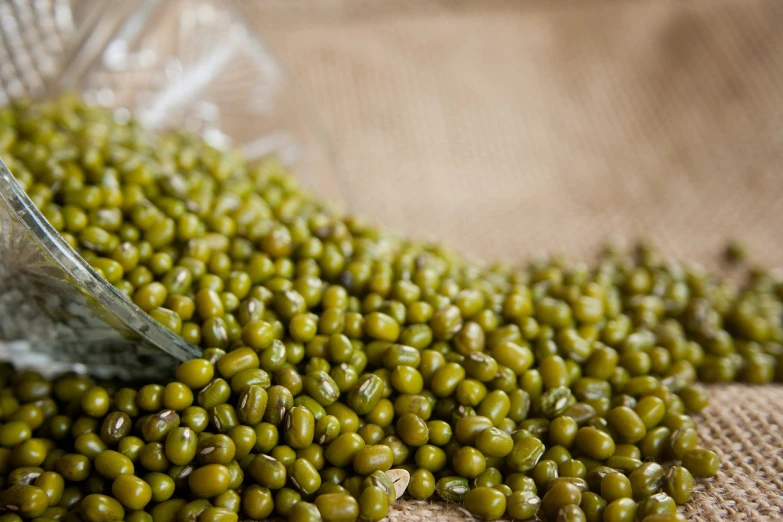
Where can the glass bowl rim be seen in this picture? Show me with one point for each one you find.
(84, 275)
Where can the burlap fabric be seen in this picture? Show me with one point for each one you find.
(506, 128)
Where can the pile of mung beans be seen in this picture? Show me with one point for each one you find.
(341, 362)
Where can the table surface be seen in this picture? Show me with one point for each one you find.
(505, 128)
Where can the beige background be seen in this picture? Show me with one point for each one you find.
(508, 127)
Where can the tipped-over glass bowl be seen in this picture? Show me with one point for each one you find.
(186, 64)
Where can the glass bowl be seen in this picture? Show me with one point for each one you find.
(186, 64)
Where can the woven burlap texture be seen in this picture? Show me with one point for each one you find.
(506, 128)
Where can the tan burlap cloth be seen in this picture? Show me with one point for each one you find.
(506, 128)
